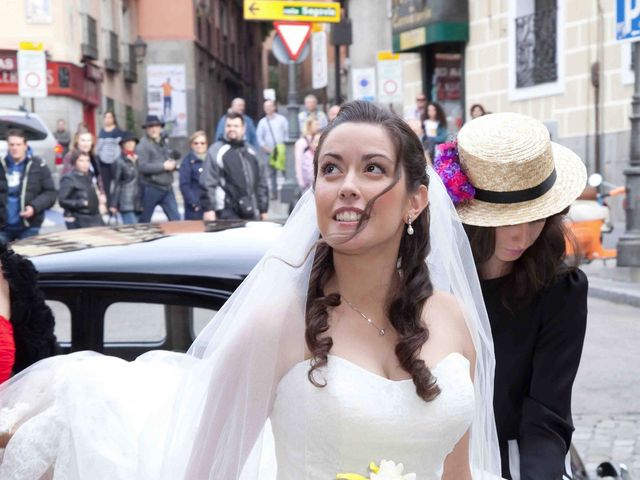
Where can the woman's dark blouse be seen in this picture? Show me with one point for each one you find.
(538, 351)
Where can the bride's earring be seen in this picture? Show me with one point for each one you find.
(409, 227)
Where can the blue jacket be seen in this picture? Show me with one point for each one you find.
(250, 133)
(190, 170)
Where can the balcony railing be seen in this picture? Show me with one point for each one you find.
(112, 62)
(131, 65)
(89, 44)
(536, 48)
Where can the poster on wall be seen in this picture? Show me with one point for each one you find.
(38, 11)
(167, 96)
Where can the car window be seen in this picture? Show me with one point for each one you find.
(201, 316)
(135, 322)
(62, 316)
(147, 322)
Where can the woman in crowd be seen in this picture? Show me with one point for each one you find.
(537, 305)
(108, 148)
(477, 110)
(357, 347)
(304, 152)
(190, 171)
(78, 195)
(125, 194)
(434, 122)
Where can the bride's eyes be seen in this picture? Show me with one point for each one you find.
(329, 168)
(375, 168)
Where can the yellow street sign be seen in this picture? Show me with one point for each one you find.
(292, 11)
(31, 46)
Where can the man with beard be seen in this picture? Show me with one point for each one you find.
(234, 181)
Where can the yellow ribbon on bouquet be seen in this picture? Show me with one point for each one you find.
(354, 476)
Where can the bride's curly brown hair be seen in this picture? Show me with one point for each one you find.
(405, 303)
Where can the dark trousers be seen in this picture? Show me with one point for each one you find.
(106, 173)
(153, 196)
(17, 232)
(191, 214)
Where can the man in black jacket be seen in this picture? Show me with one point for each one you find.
(156, 172)
(26, 190)
(234, 180)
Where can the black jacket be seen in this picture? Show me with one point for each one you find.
(538, 349)
(37, 190)
(233, 170)
(79, 199)
(125, 194)
(31, 318)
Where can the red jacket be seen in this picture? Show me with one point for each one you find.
(7, 349)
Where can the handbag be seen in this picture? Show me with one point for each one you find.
(246, 209)
(278, 155)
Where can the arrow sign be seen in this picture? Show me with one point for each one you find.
(292, 11)
(294, 36)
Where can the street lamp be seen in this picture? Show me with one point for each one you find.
(140, 48)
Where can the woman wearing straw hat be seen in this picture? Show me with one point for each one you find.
(520, 184)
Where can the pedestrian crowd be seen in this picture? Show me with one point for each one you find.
(123, 178)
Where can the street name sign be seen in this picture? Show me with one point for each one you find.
(627, 19)
(294, 36)
(32, 70)
(292, 11)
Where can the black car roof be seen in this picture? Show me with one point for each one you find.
(193, 248)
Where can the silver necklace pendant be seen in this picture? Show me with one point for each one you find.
(381, 331)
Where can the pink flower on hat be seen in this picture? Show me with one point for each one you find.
(447, 165)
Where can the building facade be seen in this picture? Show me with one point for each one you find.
(558, 61)
(91, 65)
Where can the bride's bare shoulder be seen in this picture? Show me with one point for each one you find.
(444, 316)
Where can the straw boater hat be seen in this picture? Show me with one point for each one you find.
(519, 174)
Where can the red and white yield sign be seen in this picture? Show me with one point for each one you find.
(294, 35)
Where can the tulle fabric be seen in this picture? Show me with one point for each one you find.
(204, 415)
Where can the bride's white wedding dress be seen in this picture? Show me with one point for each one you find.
(360, 417)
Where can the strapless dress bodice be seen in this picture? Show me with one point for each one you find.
(360, 417)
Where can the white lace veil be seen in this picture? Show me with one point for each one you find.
(203, 415)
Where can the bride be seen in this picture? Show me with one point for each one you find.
(341, 349)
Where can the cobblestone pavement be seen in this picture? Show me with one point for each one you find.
(614, 438)
(606, 396)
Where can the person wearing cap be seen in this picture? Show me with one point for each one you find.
(125, 194)
(156, 169)
(537, 304)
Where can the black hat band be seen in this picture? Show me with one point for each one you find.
(517, 196)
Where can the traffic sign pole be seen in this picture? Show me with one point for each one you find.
(628, 247)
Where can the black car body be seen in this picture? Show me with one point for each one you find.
(166, 274)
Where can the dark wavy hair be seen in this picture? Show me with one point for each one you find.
(405, 303)
(536, 269)
(441, 117)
